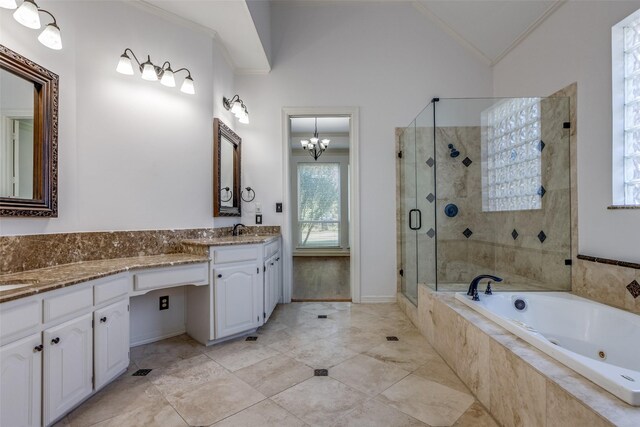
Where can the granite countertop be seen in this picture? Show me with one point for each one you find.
(51, 278)
(243, 239)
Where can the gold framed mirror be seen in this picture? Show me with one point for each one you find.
(226, 171)
(28, 137)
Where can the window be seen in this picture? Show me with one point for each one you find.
(626, 110)
(511, 174)
(318, 205)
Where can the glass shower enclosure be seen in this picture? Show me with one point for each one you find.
(484, 188)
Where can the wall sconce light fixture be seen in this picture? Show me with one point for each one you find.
(237, 107)
(28, 14)
(151, 72)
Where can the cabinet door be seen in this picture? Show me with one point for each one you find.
(111, 341)
(239, 299)
(268, 295)
(68, 366)
(21, 382)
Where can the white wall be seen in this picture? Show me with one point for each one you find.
(385, 58)
(132, 154)
(574, 45)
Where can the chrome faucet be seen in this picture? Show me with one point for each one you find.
(235, 231)
(473, 286)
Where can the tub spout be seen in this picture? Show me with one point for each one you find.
(473, 286)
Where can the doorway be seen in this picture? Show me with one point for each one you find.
(321, 228)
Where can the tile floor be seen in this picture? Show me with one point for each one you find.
(271, 382)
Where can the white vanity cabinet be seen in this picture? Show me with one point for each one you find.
(111, 342)
(238, 298)
(68, 366)
(21, 382)
(272, 284)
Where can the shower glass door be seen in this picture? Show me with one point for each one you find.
(408, 215)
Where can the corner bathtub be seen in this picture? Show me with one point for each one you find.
(599, 342)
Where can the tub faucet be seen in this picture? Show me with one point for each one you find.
(473, 286)
(235, 231)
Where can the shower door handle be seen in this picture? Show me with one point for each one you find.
(418, 217)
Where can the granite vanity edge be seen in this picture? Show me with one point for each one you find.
(223, 241)
(89, 270)
(596, 399)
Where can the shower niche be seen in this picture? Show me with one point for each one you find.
(490, 181)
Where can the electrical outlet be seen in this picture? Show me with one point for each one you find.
(278, 207)
(258, 218)
(164, 302)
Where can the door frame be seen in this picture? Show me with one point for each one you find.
(354, 190)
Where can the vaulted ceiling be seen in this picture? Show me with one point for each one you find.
(487, 28)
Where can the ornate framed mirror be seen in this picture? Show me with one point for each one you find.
(226, 171)
(28, 137)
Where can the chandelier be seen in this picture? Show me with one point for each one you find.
(315, 145)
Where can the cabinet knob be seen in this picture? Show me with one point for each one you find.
(56, 340)
(271, 263)
(219, 276)
(37, 348)
(278, 259)
(103, 319)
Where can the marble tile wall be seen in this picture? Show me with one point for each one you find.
(520, 385)
(28, 252)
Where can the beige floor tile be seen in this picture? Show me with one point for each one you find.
(438, 371)
(294, 342)
(161, 353)
(367, 374)
(264, 414)
(317, 308)
(155, 415)
(404, 355)
(215, 400)
(185, 375)
(319, 401)
(123, 395)
(374, 413)
(271, 336)
(356, 339)
(273, 375)
(477, 416)
(429, 402)
(240, 354)
(321, 354)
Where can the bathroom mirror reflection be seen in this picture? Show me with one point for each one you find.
(28, 137)
(16, 136)
(226, 170)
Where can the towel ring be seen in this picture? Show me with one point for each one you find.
(228, 190)
(249, 192)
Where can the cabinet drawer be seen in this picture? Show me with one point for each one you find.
(191, 274)
(112, 288)
(271, 248)
(222, 256)
(68, 303)
(18, 319)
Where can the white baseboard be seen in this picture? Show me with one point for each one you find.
(149, 339)
(377, 299)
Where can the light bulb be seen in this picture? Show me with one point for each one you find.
(124, 65)
(27, 15)
(50, 37)
(8, 4)
(244, 119)
(325, 142)
(168, 79)
(149, 72)
(187, 86)
(314, 140)
(304, 143)
(236, 108)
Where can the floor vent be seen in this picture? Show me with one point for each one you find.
(322, 316)
(141, 373)
(392, 338)
(251, 339)
(320, 372)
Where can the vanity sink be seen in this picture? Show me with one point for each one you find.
(9, 287)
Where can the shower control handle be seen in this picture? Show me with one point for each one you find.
(419, 219)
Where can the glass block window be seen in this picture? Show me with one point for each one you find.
(632, 112)
(511, 167)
